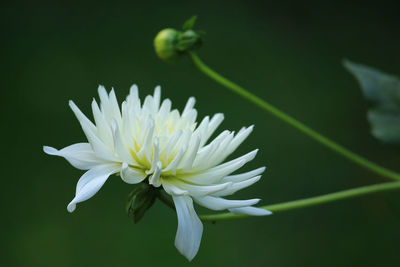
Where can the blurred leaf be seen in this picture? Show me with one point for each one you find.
(189, 24)
(383, 91)
(385, 125)
(140, 200)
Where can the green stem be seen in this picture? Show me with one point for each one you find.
(293, 122)
(307, 202)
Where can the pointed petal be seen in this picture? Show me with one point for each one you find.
(212, 126)
(103, 127)
(237, 140)
(120, 146)
(190, 228)
(173, 190)
(197, 190)
(155, 178)
(216, 203)
(157, 97)
(80, 155)
(91, 182)
(90, 131)
(131, 175)
(189, 106)
(216, 174)
(237, 186)
(244, 176)
(213, 175)
(251, 211)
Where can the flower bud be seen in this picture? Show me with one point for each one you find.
(171, 44)
(165, 44)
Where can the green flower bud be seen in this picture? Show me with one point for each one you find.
(165, 44)
(171, 44)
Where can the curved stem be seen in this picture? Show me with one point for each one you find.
(293, 122)
(307, 202)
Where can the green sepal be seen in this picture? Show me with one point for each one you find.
(188, 40)
(140, 200)
(189, 24)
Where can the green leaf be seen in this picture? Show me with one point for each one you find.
(189, 24)
(380, 88)
(383, 91)
(385, 125)
(140, 200)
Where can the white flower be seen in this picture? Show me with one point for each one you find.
(151, 141)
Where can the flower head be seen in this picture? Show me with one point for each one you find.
(151, 142)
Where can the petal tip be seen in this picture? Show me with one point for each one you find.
(50, 150)
(71, 207)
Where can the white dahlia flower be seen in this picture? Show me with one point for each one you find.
(153, 143)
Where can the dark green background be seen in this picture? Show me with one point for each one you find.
(288, 53)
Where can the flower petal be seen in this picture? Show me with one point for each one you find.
(155, 178)
(243, 176)
(251, 211)
(90, 131)
(120, 146)
(80, 155)
(237, 140)
(91, 182)
(237, 186)
(217, 203)
(212, 126)
(197, 190)
(190, 228)
(131, 175)
(173, 190)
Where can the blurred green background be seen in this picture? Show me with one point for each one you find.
(287, 52)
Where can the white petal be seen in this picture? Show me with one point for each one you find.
(148, 105)
(132, 175)
(251, 211)
(90, 131)
(197, 190)
(91, 182)
(85, 122)
(155, 178)
(156, 156)
(109, 104)
(119, 145)
(212, 126)
(145, 151)
(103, 127)
(190, 155)
(237, 140)
(80, 155)
(174, 163)
(216, 203)
(237, 186)
(171, 142)
(190, 228)
(173, 190)
(164, 109)
(213, 175)
(189, 105)
(157, 97)
(244, 176)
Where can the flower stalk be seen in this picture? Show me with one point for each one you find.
(361, 161)
(308, 202)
